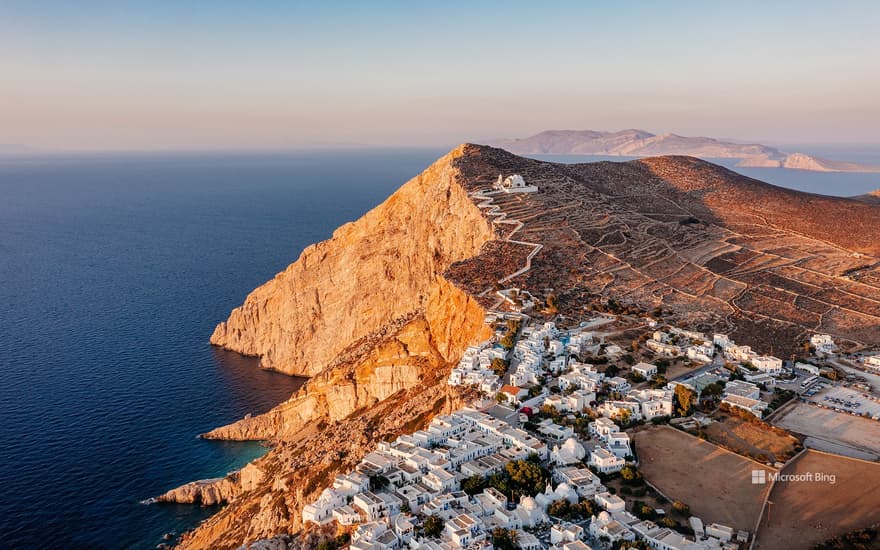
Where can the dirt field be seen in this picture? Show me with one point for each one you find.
(831, 431)
(716, 483)
(751, 439)
(807, 512)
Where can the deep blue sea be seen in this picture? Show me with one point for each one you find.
(113, 272)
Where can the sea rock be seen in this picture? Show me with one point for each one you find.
(206, 492)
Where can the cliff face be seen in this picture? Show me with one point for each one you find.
(409, 352)
(379, 268)
(372, 317)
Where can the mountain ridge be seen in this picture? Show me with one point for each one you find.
(711, 249)
(640, 143)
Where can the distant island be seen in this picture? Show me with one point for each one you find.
(639, 143)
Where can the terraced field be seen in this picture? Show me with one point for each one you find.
(716, 250)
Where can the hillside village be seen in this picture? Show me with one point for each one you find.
(545, 457)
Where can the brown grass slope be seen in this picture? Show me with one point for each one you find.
(718, 250)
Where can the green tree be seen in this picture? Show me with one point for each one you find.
(432, 527)
(685, 398)
(503, 539)
(473, 484)
(714, 389)
(499, 366)
(526, 477)
(508, 340)
(631, 474)
(378, 482)
(669, 522)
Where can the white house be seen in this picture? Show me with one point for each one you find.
(720, 532)
(618, 384)
(514, 184)
(823, 343)
(582, 480)
(739, 353)
(873, 362)
(645, 370)
(619, 444)
(604, 525)
(321, 510)
(767, 364)
(620, 409)
(513, 394)
(565, 532)
(609, 502)
(722, 341)
(702, 353)
(605, 462)
(374, 536)
(571, 452)
(346, 515)
(370, 505)
(661, 348)
(528, 541)
(602, 426)
(654, 402)
(440, 481)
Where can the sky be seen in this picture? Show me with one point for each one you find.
(268, 75)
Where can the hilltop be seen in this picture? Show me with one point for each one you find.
(872, 197)
(379, 313)
(639, 143)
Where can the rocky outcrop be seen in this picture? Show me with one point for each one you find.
(800, 161)
(379, 268)
(221, 490)
(416, 351)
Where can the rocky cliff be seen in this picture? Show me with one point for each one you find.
(379, 268)
(372, 317)
(403, 354)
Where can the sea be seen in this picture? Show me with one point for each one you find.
(114, 270)
(846, 184)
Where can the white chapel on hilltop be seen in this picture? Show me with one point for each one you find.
(514, 184)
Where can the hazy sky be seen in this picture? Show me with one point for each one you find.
(125, 74)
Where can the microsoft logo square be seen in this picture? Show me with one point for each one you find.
(759, 477)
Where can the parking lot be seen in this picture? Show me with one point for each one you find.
(847, 400)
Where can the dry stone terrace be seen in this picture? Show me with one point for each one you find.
(720, 251)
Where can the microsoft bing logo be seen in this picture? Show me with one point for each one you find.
(759, 477)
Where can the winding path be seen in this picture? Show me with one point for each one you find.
(486, 201)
